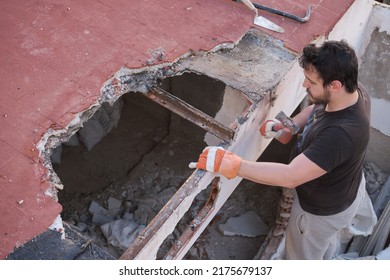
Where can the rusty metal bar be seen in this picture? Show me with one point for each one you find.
(276, 234)
(194, 226)
(190, 113)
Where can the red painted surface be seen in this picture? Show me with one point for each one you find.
(324, 15)
(56, 55)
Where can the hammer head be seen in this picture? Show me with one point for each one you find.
(287, 122)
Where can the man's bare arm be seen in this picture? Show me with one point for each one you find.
(301, 120)
(299, 171)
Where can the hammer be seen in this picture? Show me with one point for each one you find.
(287, 122)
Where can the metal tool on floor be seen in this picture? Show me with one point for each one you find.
(262, 21)
(281, 13)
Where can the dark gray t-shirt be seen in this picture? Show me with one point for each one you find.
(337, 142)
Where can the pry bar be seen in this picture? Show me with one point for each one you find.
(278, 12)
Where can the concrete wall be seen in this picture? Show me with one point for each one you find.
(374, 74)
(234, 103)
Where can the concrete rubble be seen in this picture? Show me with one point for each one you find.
(121, 233)
(248, 224)
(374, 245)
(382, 255)
(116, 225)
(375, 179)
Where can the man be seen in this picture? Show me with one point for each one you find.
(326, 169)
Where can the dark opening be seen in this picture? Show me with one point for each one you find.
(130, 158)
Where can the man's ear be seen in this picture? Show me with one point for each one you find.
(335, 85)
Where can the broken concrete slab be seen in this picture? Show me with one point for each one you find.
(143, 215)
(113, 203)
(96, 208)
(248, 224)
(384, 254)
(148, 201)
(252, 67)
(128, 216)
(99, 219)
(121, 233)
(354, 256)
(101, 215)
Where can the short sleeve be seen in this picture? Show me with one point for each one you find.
(331, 148)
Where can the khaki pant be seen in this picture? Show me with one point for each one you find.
(313, 237)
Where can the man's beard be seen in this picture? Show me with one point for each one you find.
(324, 99)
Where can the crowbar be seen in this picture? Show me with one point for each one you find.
(262, 21)
(294, 17)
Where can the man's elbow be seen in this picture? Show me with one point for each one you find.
(291, 183)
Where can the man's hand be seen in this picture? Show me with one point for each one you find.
(271, 129)
(217, 159)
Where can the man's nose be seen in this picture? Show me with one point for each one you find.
(306, 83)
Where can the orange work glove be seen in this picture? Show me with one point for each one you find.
(217, 159)
(271, 129)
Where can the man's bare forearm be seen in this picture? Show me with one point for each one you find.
(297, 172)
(301, 120)
(267, 173)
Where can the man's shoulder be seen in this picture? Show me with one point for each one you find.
(362, 88)
(363, 92)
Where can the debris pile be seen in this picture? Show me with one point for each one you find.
(375, 179)
(376, 245)
(116, 216)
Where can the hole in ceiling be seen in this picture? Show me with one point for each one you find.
(140, 155)
(128, 159)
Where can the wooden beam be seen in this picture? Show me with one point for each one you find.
(190, 113)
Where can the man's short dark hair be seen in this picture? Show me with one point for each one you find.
(333, 60)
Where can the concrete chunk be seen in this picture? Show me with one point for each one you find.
(384, 254)
(100, 215)
(249, 225)
(148, 201)
(99, 219)
(121, 233)
(96, 208)
(113, 203)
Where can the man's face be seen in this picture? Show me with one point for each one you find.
(314, 87)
